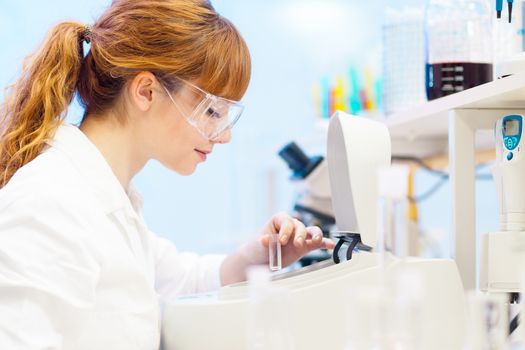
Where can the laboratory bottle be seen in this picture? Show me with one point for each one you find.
(386, 313)
(459, 46)
(403, 313)
(269, 323)
(392, 204)
(509, 43)
(367, 322)
(487, 323)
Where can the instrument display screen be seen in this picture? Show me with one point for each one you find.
(511, 128)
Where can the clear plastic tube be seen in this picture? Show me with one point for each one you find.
(274, 250)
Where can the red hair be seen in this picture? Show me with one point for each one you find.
(183, 38)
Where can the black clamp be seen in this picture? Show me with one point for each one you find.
(353, 240)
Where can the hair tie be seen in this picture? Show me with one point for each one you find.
(86, 34)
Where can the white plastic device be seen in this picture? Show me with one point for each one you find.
(319, 293)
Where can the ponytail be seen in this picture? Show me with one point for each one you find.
(37, 102)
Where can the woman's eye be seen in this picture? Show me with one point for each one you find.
(211, 112)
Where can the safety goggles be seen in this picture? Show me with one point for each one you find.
(211, 115)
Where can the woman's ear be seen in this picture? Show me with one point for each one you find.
(140, 91)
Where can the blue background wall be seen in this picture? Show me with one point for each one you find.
(294, 43)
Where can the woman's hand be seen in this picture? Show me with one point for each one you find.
(296, 241)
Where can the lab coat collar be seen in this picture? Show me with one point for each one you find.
(94, 168)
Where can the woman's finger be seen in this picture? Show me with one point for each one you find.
(315, 233)
(299, 234)
(284, 225)
(327, 243)
(265, 240)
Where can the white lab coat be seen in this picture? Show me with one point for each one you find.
(78, 267)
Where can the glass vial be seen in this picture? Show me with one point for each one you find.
(274, 251)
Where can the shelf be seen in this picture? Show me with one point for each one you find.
(423, 130)
(430, 120)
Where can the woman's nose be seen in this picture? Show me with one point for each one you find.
(223, 137)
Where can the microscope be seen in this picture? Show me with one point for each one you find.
(313, 205)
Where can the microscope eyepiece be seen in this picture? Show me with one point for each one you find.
(298, 161)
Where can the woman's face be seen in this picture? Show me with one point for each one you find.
(172, 140)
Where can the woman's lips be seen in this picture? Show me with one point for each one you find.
(202, 154)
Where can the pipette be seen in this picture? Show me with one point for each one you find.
(499, 8)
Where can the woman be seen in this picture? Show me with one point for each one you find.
(78, 267)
